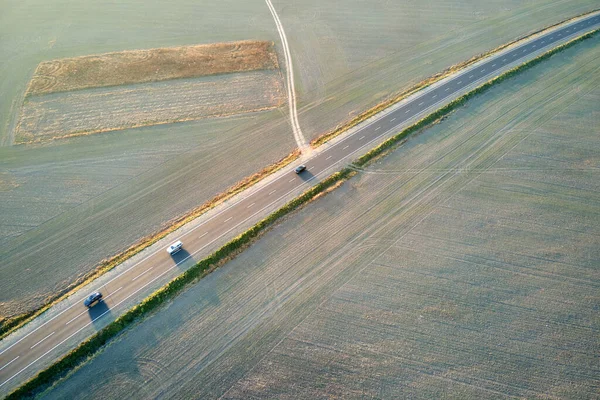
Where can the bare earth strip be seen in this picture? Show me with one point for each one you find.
(137, 66)
(463, 265)
(96, 110)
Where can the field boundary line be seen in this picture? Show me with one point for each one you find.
(386, 106)
(16, 322)
(89, 348)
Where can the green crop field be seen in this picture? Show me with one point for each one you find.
(66, 206)
(353, 55)
(462, 265)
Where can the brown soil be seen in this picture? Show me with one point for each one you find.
(136, 66)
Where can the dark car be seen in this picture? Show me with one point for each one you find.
(300, 168)
(93, 299)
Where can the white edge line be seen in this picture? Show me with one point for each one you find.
(275, 180)
(220, 212)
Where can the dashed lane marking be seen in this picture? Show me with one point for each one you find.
(10, 362)
(146, 271)
(251, 205)
(228, 219)
(42, 340)
(272, 191)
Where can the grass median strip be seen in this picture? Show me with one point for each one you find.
(92, 345)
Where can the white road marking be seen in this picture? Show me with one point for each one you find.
(10, 362)
(228, 219)
(346, 147)
(291, 180)
(360, 138)
(378, 128)
(447, 89)
(75, 317)
(204, 234)
(589, 22)
(407, 111)
(328, 158)
(42, 340)
(251, 205)
(483, 70)
(543, 41)
(470, 76)
(514, 55)
(493, 65)
(504, 59)
(421, 103)
(434, 96)
(393, 119)
(83, 312)
(148, 270)
(533, 45)
(459, 82)
(272, 191)
(113, 292)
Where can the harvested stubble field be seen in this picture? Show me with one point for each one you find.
(347, 55)
(69, 204)
(462, 265)
(139, 66)
(81, 112)
(64, 207)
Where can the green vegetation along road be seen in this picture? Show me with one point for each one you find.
(462, 265)
(22, 354)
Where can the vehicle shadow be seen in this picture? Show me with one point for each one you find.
(306, 176)
(99, 311)
(181, 256)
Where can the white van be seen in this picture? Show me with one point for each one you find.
(175, 247)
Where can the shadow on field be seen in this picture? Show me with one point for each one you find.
(99, 310)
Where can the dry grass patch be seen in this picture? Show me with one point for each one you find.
(137, 66)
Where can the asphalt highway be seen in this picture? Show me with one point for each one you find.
(44, 340)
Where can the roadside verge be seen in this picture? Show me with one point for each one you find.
(91, 346)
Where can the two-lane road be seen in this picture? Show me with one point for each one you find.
(45, 340)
